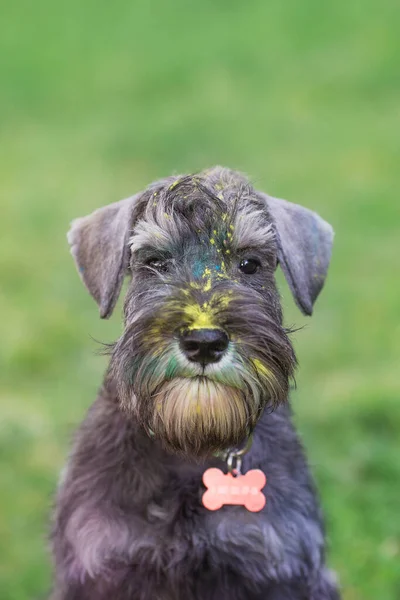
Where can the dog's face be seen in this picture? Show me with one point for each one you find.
(204, 350)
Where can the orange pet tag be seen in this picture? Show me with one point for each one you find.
(244, 490)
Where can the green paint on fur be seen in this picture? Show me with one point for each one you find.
(198, 268)
(171, 368)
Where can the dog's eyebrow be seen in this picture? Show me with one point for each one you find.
(150, 235)
(251, 231)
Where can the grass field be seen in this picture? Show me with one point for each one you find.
(99, 98)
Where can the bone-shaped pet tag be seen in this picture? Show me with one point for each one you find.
(243, 490)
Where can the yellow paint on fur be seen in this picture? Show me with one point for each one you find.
(223, 300)
(155, 338)
(205, 316)
(200, 317)
(222, 276)
(261, 368)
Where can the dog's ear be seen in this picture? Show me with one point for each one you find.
(304, 243)
(99, 245)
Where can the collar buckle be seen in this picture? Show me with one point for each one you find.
(233, 456)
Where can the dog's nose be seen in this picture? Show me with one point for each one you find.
(204, 345)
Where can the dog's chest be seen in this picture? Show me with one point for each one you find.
(255, 544)
(262, 546)
(233, 530)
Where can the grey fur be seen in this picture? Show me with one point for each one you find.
(99, 246)
(129, 523)
(304, 249)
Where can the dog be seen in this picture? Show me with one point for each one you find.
(187, 480)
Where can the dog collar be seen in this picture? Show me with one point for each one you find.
(233, 456)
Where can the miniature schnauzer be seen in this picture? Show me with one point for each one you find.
(187, 480)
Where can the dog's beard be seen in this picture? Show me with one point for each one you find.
(196, 411)
(198, 416)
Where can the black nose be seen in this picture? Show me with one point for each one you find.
(204, 345)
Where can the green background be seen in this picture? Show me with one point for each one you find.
(97, 99)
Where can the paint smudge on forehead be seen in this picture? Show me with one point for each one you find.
(198, 269)
(207, 271)
(206, 218)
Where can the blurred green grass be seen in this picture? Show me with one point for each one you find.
(96, 100)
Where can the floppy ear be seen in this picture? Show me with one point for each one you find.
(304, 243)
(99, 245)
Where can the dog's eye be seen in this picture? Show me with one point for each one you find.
(158, 265)
(249, 266)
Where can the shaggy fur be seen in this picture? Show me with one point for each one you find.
(129, 523)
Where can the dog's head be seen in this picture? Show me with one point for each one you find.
(204, 350)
